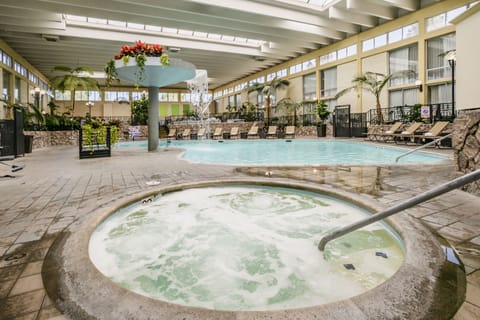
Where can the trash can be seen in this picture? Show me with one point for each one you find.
(28, 143)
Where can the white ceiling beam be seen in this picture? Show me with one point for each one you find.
(363, 20)
(32, 23)
(275, 11)
(409, 5)
(362, 6)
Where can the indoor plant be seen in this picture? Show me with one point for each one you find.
(323, 113)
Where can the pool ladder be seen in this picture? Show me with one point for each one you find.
(427, 195)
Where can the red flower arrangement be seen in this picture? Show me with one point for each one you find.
(149, 50)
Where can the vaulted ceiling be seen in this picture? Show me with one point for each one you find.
(230, 39)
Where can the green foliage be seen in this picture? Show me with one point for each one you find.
(140, 111)
(73, 79)
(96, 134)
(111, 74)
(415, 113)
(164, 60)
(374, 83)
(140, 60)
(322, 110)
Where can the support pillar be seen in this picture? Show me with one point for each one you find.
(153, 118)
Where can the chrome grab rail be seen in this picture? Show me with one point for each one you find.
(441, 189)
(423, 146)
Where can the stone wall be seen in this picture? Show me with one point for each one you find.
(42, 139)
(466, 145)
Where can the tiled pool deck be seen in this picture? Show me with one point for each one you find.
(56, 189)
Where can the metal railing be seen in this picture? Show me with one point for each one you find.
(441, 189)
(434, 142)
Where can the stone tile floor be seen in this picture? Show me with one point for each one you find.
(56, 188)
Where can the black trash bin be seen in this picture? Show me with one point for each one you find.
(28, 143)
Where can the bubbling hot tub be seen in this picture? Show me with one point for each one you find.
(243, 248)
(247, 249)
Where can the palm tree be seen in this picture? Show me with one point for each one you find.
(73, 79)
(268, 90)
(374, 83)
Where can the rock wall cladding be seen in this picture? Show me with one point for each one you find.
(466, 144)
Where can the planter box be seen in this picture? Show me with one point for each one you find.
(95, 150)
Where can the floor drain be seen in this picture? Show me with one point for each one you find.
(15, 256)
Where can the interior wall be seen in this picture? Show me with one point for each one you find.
(468, 67)
(376, 63)
(345, 73)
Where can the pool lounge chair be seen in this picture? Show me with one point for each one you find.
(234, 133)
(201, 133)
(253, 132)
(172, 133)
(407, 135)
(272, 132)
(434, 133)
(388, 135)
(186, 134)
(218, 134)
(290, 132)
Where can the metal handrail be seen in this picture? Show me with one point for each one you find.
(423, 146)
(443, 188)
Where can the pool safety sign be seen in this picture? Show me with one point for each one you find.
(425, 111)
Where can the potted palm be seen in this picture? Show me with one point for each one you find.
(323, 113)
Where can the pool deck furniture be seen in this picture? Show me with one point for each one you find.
(186, 134)
(407, 135)
(387, 135)
(435, 132)
(234, 133)
(272, 132)
(253, 132)
(218, 134)
(201, 133)
(290, 132)
(172, 133)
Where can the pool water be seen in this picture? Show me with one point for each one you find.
(292, 152)
(243, 248)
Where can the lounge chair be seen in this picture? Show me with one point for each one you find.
(218, 134)
(407, 134)
(434, 133)
(253, 132)
(290, 132)
(388, 135)
(172, 133)
(234, 133)
(272, 132)
(201, 133)
(186, 133)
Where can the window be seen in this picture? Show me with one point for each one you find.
(231, 101)
(329, 82)
(32, 77)
(88, 95)
(395, 35)
(367, 45)
(403, 59)
(310, 87)
(282, 73)
(6, 85)
(110, 96)
(296, 68)
(63, 96)
(238, 101)
(309, 64)
(443, 19)
(21, 70)
(17, 90)
(163, 97)
(380, 40)
(441, 93)
(6, 59)
(437, 66)
(403, 97)
(139, 95)
(217, 94)
(185, 97)
(173, 96)
(260, 99)
(121, 96)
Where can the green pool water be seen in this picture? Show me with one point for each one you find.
(243, 248)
